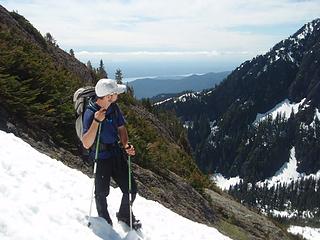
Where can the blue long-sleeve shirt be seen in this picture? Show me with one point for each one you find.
(109, 127)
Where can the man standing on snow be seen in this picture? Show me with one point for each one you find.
(111, 161)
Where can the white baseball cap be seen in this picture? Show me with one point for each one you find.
(107, 86)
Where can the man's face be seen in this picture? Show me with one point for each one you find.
(111, 98)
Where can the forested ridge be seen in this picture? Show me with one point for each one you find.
(222, 130)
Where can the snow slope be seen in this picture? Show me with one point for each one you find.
(40, 198)
(285, 108)
(307, 232)
(286, 174)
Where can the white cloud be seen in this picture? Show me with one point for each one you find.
(164, 26)
(148, 55)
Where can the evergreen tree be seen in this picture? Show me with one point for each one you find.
(71, 52)
(101, 72)
(147, 104)
(49, 38)
(89, 65)
(118, 76)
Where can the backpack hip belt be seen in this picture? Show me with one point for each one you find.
(104, 147)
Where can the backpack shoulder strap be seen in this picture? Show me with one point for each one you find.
(91, 105)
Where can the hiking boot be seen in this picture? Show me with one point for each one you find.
(136, 224)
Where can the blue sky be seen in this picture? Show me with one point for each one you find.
(161, 37)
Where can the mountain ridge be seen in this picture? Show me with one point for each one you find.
(150, 87)
(15, 22)
(259, 84)
(226, 138)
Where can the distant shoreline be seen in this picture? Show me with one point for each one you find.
(130, 79)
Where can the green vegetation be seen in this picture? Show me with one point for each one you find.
(231, 230)
(27, 26)
(298, 197)
(156, 151)
(35, 88)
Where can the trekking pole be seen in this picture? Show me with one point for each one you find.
(130, 193)
(94, 173)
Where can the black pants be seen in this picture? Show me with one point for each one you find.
(117, 168)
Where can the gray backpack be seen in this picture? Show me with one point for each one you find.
(81, 100)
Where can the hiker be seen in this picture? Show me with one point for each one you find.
(111, 161)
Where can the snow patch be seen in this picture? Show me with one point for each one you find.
(307, 232)
(159, 103)
(225, 183)
(290, 58)
(285, 174)
(283, 108)
(265, 68)
(41, 198)
(214, 128)
(185, 97)
(288, 173)
(188, 124)
(291, 214)
(308, 29)
(284, 214)
(317, 114)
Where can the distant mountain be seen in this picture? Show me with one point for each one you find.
(290, 70)
(250, 125)
(150, 87)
